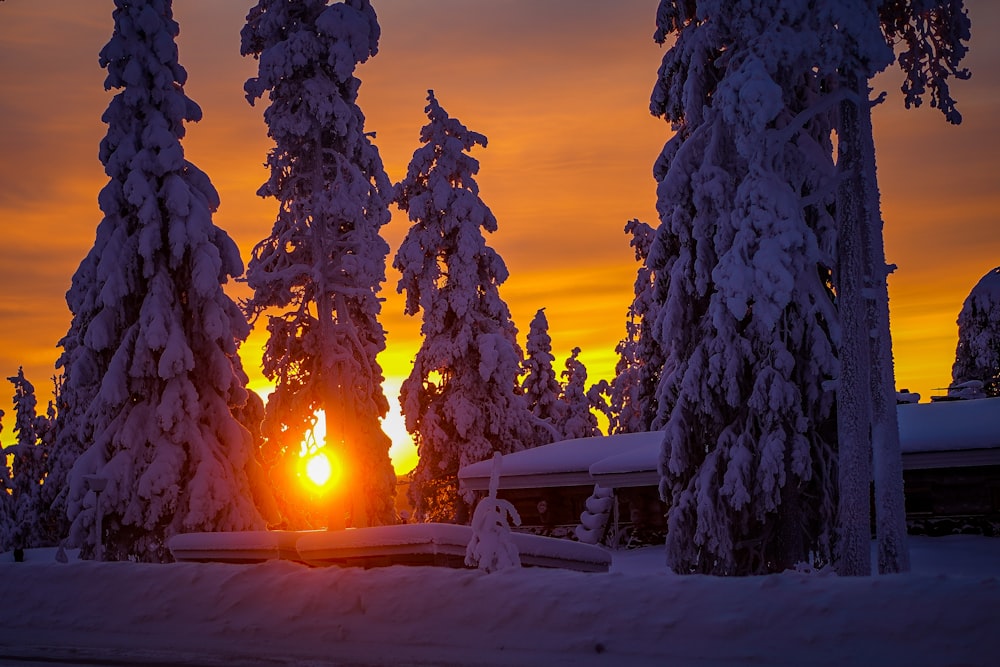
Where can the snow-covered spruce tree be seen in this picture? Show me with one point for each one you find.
(324, 262)
(578, 419)
(461, 401)
(29, 465)
(540, 386)
(82, 371)
(744, 316)
(633, 390)
(932, 33)
(977, 355)
(151, 369)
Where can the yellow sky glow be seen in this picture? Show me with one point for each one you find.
(560, 88)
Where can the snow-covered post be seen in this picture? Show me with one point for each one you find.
(97, 485)
(492, 547)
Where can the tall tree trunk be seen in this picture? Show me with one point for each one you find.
(853, 398)
(890, 510)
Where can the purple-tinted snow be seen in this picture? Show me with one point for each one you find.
(283, 613)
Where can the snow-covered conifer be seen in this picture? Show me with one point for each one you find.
(324, 262)
(152, 374)
(577, 419)
(977, 355)
(462, 400)
(633, 390)
(540, 386)
(744, 314)
(29, 465)
(7, 523)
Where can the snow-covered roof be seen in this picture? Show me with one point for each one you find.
(950, 433)
(932, 435)
(947, 425)
(564, 463)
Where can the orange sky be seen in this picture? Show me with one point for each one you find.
(560, 88)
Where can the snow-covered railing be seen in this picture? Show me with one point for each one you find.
(413, 544)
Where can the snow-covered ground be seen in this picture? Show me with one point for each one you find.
(945, 612)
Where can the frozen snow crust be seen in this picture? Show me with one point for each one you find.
(284, 613)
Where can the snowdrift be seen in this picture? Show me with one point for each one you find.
(284, 613)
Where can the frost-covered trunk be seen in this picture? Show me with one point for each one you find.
(887, 460)
(867, 378)
(853, 400)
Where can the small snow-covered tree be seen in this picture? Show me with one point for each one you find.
(29, 465)
(578, 419)
(744, 314)
(152, 374)
(633, 390)
(461, 400)
(540, 386)
(977, 355)
(323, 264)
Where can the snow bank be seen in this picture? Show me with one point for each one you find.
(283, 613)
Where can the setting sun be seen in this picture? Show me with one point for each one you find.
(319, 468)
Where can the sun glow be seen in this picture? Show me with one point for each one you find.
(319, 468)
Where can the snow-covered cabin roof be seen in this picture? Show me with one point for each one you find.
(932, 435)
(564, 463)
(947, 434)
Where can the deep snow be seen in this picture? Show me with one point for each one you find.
(281, 613)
